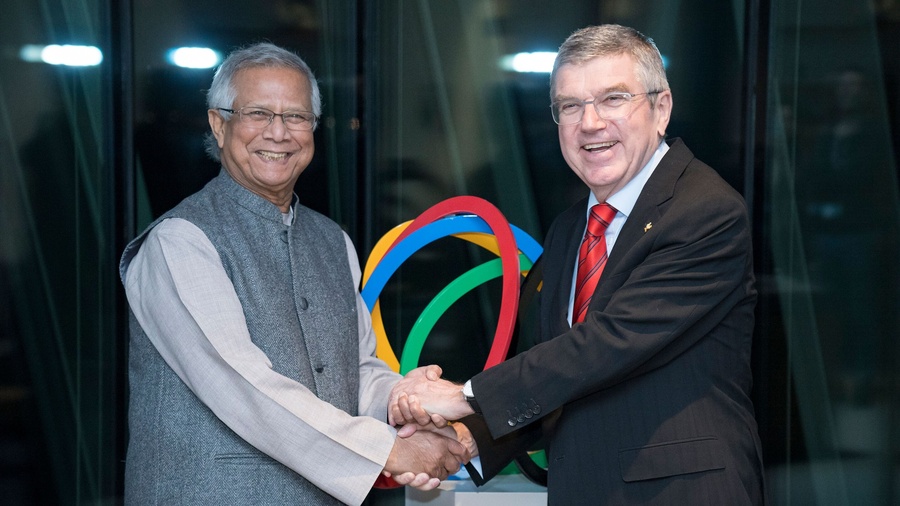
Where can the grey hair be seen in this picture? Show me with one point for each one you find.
(222, 92)
(613, 40)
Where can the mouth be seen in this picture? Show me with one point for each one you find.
(271, 156)
(598, 147)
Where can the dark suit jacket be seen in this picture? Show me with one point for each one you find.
(647, 401)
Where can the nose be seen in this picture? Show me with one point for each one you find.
(591, 119)
(277, 129)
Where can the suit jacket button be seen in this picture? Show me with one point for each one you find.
(520, 418)
(304, 303)
(511, 422)
(529, 413)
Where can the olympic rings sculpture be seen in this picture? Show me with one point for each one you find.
(475, 220)
(469, 218)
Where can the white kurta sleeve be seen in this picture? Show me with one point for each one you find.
(185, 302)
(375, 377)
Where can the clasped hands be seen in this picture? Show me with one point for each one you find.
(422, 404)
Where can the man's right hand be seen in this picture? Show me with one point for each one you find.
(422, 397)
(425, 458)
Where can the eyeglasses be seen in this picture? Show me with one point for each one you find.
(258, 117)
(609, 107)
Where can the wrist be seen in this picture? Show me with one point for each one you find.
(469, 397)
(465, 438)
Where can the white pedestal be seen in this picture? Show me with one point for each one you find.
(506, 490)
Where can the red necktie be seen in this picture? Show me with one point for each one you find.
(591, 258)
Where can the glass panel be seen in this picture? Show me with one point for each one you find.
(170, 100)
(57, 255)
(831, 228)
(449, 118)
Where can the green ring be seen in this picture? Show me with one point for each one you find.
(441, 302)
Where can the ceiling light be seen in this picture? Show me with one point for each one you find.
(537, 62)
(68, 54)
(194, 57)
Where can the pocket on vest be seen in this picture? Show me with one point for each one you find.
(672, 458)
(243, 459)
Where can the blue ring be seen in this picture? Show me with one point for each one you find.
(429, 233)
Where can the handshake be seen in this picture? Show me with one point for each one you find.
(422, 405)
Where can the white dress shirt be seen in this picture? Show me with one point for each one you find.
(623, 201)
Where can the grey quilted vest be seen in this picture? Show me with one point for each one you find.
(299, 302)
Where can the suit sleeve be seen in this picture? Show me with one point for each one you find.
(496, 454)
(671, 288)
(187, 306)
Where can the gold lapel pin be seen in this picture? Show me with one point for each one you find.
(648, 226)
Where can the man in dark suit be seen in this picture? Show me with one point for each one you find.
(640, 386)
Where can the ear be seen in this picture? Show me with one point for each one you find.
(663, 111)
(217, 125)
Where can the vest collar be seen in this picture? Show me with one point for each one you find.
(245, 198)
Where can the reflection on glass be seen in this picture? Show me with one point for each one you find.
(833, 229)
(68, 55)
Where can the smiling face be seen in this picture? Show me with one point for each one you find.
(608, 154)
(266, 161)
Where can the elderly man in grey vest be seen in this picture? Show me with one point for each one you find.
(252, 372)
